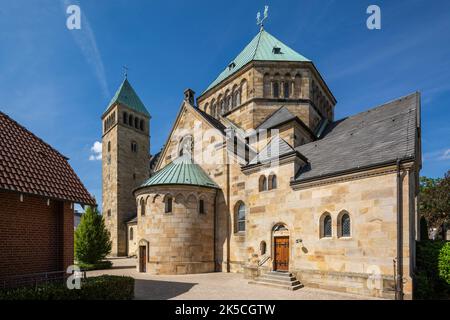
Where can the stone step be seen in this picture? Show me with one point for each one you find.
(269, 276)
(274, 280)
(280, 286)
(282, 280)
(280, 274)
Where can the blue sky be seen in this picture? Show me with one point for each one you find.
(57, 82)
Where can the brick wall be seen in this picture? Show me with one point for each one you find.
(34, 237)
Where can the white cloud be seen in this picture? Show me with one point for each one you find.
(445, 155)
(440, 155)
(96, 150)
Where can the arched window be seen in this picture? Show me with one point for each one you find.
(186, 146)
(286, 89)
(325, 226)
(142, 207)
(222, 106)
(344, 224)
(262, 183)
(272, 182)
(201, 206)
(238, 97)
(213, 107)
(130, 119)
(262, 248)
(168, 204)
(125, 118)
(136, 123)
(141, 125)
(133, 146)
(266, 85)
(275, 89)
(131, 233)
(240, 217)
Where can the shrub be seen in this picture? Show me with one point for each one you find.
(95, 288)
(444, 263)
(106, 264)
(429, 282)
(92, 239)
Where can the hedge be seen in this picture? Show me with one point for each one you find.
(104, 287)
(433, 270)
(102, 265)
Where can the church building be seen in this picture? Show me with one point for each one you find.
(258, 177)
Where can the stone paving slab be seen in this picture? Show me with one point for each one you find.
(213, 286)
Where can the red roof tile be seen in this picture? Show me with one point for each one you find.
(29, 165)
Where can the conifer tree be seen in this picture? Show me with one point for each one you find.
(92, 239)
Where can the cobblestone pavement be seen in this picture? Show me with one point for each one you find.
(214, 286)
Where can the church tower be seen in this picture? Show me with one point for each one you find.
(125, 161)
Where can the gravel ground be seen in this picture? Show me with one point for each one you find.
(211, 286)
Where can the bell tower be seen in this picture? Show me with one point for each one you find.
(125, 161)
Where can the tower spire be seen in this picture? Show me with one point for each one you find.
(125, 72)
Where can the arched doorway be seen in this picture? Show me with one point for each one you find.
(143, 256)
(280, 236)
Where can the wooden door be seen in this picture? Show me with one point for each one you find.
(281, 254)
(142, 259)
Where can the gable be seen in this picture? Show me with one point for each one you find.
(194, 122)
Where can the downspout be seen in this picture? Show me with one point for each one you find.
(228, 218)
(215, 225)
(399, 278)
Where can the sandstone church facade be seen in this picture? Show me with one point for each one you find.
(258, 176)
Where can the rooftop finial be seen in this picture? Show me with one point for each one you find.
(259, 21)
(125, 71)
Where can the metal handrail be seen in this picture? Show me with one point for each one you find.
(264, 260)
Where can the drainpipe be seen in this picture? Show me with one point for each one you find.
(215, 224)
(228, 218)
(399, 278)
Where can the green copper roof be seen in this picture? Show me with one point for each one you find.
(128, 97)
(181, 171)
(261, 48)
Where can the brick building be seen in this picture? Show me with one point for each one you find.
(38, 190)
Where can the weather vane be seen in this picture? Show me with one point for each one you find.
(259, 21)
(125, 71)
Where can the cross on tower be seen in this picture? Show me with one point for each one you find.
(125, 71)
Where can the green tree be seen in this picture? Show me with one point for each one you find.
(434, 200)
(92, 239)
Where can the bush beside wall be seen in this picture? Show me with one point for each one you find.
(433, 270)
(95, 288)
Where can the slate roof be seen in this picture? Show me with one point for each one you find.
(128, 97)
(132, 220)
(370, 138)
(277, 147)
(259, 49)
(31, 166)
(280, 116)
(181, 171)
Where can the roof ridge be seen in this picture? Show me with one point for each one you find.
(380, 106)
(257, 43)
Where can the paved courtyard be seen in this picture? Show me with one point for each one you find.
(214, 286)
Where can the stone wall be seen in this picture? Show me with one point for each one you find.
(180, 241)
(122, 171)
